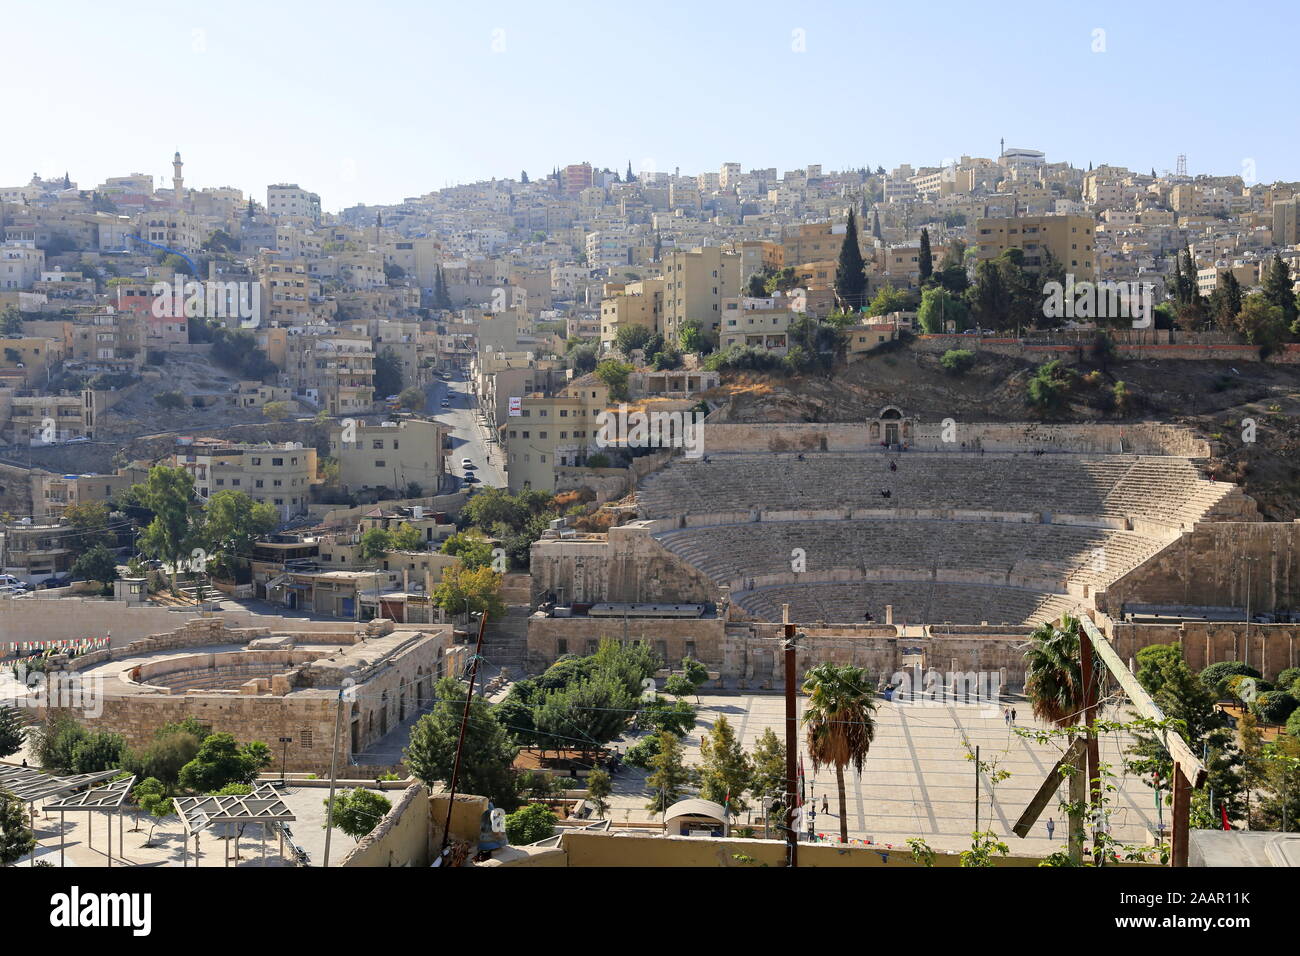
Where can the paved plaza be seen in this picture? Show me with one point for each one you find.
(917, 781)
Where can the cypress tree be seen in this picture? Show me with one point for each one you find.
(875, 225)
(850, 279)
(927, 260)
(1279, 290)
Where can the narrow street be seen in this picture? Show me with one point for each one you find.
(468, 434)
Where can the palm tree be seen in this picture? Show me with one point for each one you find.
(1054, 686)
(841, 723)
(1053, 673)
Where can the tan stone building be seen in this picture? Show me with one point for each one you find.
(695, 284)
(391, 455)
(1070, 240)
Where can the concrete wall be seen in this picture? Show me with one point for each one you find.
(401, 838)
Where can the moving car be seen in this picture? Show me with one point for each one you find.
(466, 463)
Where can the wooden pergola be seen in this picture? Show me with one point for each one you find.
(1095, 652)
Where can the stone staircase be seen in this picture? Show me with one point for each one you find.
(505, 644)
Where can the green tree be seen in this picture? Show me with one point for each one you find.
(840, 724)
(1054, 686)
(488, 752)
(599, 787)
(614, 374)
(153, 798)
(232, 523)
(166, 755)
(388, 373)
(357, 811)
(13, 731)
(374, 542)
(1226, 301)
(473, 550)
(660, 714)
(669, 777)
(691, 337)
(531, 823)
(97, 564)
(767, 772)
(221, 761)
(592, 711)
(887, 300)
(406, 538)
(725, 770)
(1150, 663)
(990, 301)
(850, 276)
(1279, 290)
(939, 307)
(90, 519)
(678, 686)
(926, 258)
(169, 494)
(1261, 322)
(464, 590)
(630, 337)
(1216, 676)
(957, 361)
(16, 836)
(1049, 389)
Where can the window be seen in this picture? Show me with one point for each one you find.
(277, 462)
(377, 444)
(379, 463)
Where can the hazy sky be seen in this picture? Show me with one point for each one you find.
(375, 101)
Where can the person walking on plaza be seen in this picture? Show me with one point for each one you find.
(1051, 827)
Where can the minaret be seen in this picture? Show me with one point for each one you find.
(178, 181)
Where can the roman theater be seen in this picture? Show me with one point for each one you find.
(943, 541)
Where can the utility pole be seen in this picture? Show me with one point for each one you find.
(791, 741)
(464, 722)
(977, 787)
(334, 763)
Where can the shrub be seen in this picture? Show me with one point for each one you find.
(598, 460)
(1274, 706)
(1287, 678)
(1293, 724)
(170, 400)
(958, 361)
(1215, 677)
(530, 824)
(639, 754)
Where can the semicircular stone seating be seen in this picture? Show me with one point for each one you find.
(962, 538)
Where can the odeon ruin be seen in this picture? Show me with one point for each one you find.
(895, 541)
(266, 684)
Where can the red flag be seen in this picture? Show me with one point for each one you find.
(1224, 810)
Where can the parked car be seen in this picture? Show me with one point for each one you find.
(446, 404)
(471, 478)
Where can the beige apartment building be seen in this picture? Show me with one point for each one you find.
(1070, 240)
(550, 433)
(335, 372)
(50, 419)
(695, 283)
(1286, 225)
(286, 290)
(630, 303)
(278, 475)
(390, 455)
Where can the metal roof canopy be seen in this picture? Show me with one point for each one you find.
(263, 805)
(29, 784)
(108, 798)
